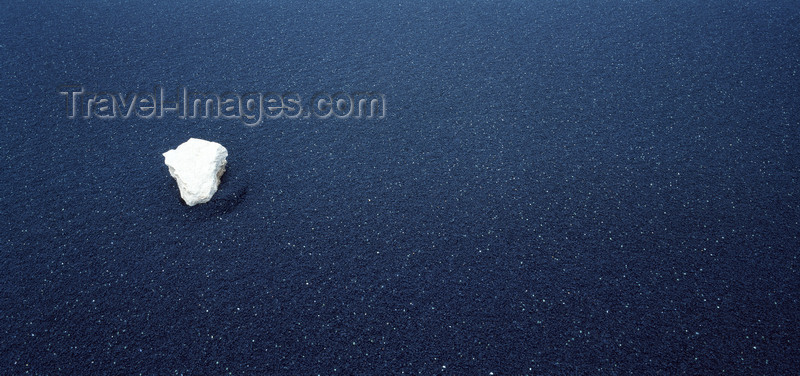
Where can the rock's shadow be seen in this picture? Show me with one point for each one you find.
(232, 191)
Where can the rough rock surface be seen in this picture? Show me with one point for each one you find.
(197, 166)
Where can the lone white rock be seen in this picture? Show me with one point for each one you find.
(197, 166)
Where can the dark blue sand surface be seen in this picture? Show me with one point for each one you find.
(565, 188)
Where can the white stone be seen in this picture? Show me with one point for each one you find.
(197, 166)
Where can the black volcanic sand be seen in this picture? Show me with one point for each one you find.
(591, 188)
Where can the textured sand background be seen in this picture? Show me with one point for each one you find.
(581, 188)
